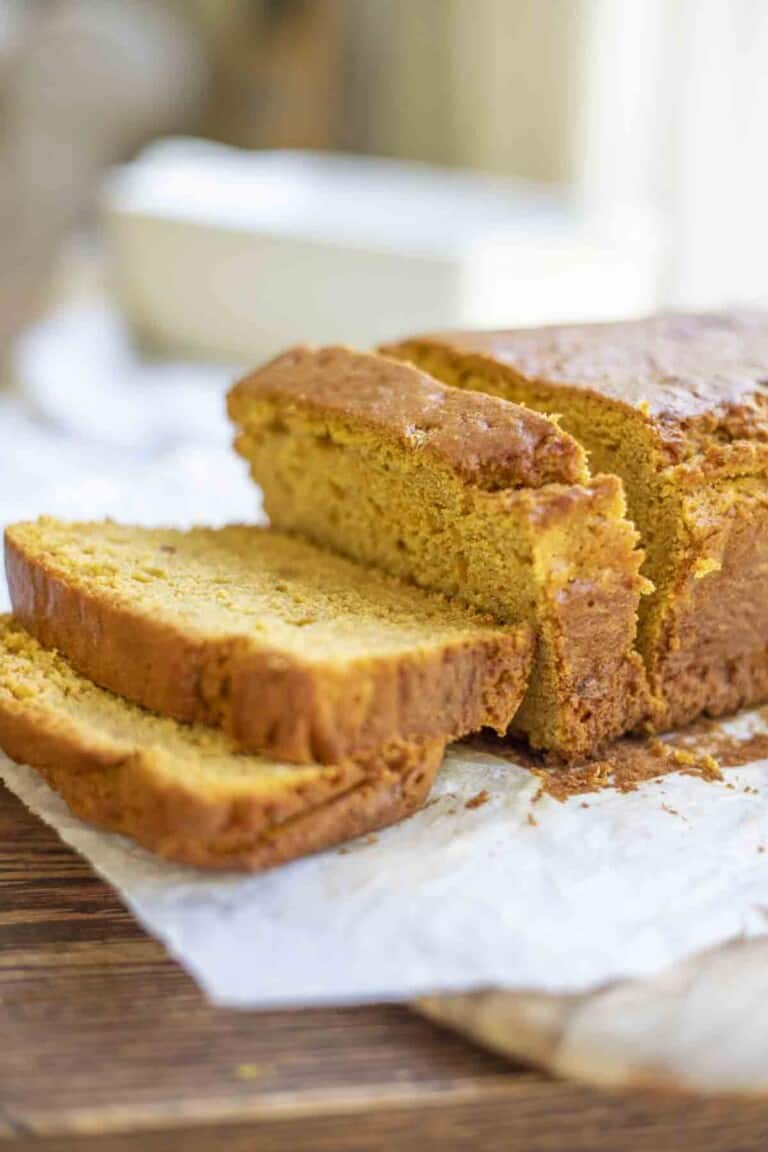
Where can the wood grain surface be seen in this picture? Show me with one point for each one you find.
(106, 1044)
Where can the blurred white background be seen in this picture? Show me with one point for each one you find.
(575, 159)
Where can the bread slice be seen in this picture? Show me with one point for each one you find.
(677, 405)
(483, 500)
(186, 792)
(296, 652)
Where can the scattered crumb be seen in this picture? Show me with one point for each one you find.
(250, 1071)
(478, 800)
(728, 751)
(761, 847)
(672, 811)
(702, 750)
(532, 820)
(624, 766)
(372, 838)
(584, 804)
(343, 851)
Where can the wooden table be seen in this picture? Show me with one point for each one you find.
(106, 1044)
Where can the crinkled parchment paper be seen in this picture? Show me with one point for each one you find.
(511, 892)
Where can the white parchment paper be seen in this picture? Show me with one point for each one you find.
(460, 898)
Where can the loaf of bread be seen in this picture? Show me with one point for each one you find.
(296, 652)
(186, 791)
(677, 406)
(483, 500)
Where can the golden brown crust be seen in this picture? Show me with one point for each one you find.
(121, 789)
(485, 441)
(269, 700)
(697, 378)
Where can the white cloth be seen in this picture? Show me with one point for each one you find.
(96, 430)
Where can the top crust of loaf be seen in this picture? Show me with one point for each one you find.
(694, 377)
(487, 442)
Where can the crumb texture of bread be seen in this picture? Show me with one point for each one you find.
(187, 792)
(482, 500)
(677, 406)
(296, 652)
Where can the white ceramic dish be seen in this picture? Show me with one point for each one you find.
(237, 254)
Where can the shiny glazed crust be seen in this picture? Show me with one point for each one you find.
(487, 442)
(269, 701)
(699, 379)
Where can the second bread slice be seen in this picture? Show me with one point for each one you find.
(185, 791)
(294, 651)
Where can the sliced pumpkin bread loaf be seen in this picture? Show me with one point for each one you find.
(185, 791)
(677, 405)
(480, 499)
(296, 652)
